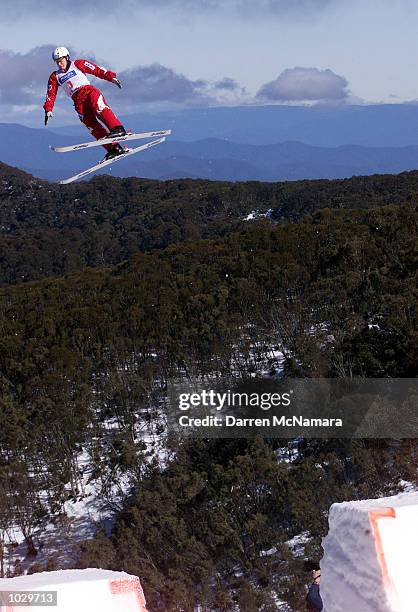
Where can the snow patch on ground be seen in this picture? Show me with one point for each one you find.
(259, 214)
(57, 537)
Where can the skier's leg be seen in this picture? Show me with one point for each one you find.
(103, 110)
(87, 115)
(94, 126)
(87, 106)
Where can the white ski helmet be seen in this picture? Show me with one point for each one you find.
(60, 52)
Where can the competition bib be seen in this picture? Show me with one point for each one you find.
(72, 80)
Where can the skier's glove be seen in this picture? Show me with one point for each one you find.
(117, 83)
(48, 115)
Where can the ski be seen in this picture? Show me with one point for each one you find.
(102, 141)
(102, 164)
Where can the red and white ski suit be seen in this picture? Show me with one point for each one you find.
(89, 102)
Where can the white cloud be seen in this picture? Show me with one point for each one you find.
(23, 75)
(157, 83)
(299, 84)
(226, 84)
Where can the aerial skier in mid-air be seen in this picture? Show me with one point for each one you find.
(93, 111)
(89, 102)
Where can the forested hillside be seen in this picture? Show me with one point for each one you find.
(49, 230)
(177, 284)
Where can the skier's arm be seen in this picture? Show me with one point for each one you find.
(51, 93)
(92, 68)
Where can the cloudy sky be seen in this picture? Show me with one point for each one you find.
(177, 53)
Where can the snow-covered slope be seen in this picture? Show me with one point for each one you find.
(369, 563)
(88, 590)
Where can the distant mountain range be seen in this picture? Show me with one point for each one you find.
(384, 125)
(243, 143)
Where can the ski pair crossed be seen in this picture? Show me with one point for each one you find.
(112, 140)
(111, 161)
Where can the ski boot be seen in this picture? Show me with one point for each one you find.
(117, 131)
(115, 151)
